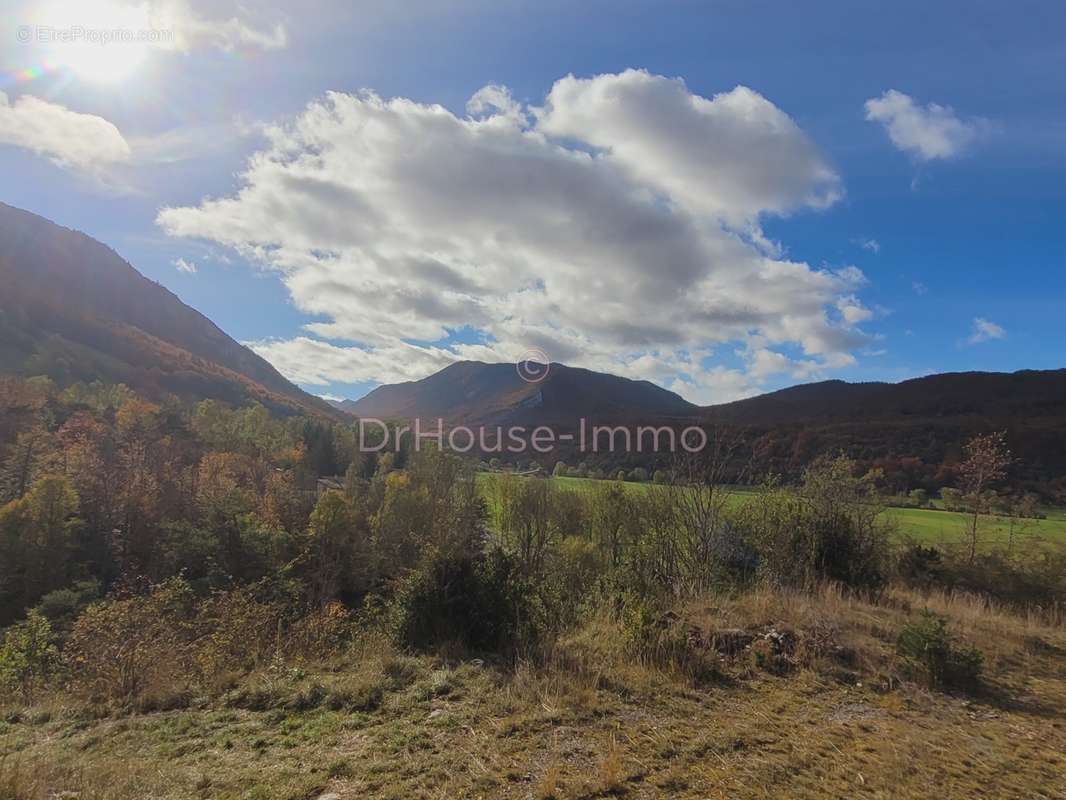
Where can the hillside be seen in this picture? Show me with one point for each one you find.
(73, 309)
(474, 393)
(1028, 393)
(913, 430)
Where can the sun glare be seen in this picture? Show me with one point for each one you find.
(98, 40)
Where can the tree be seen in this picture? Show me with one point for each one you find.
(986, 459)
(36, 543)
(527, 523)
(919, 497)
(638, 474)
(952, 498)
(1021, 512)
(560, 470)
(28, 655)
(331, 535)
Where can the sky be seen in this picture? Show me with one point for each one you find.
(723, 197)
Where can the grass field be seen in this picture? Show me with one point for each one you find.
(925, 525)
(594, 722)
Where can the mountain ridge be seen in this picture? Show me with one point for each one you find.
(478, 392)
(74, 309)
(974, 392)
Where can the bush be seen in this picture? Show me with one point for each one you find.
(63, 606)
(122, 649)
(831, 530)
(638, 475)
(925, 644)
(921, 566)
(661, 639)
(952, 499)
(239, 633)
(1026, 580)
(28, 655)
(478, 601)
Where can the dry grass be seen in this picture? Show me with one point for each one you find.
(593, 720)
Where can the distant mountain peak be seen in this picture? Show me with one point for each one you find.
(476, 392)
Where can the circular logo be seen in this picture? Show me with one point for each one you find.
(25, 33)
(534, 365)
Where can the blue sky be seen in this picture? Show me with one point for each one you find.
(947, 196)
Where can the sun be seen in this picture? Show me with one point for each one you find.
(98, 40)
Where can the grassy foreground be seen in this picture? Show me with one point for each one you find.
(840, 718)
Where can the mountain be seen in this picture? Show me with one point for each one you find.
(73, 309)
(913, 431)
(1028, 394)
(470, 392)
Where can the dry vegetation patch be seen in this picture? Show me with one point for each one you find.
(600, 715)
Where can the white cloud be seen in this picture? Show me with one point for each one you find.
(185, 266)
(316, 363)
(852, 310)
(920, 288)
(928, 132)
(594, 228)
(67, 138)
(221, 25)
(984, 330)
(872, 245)
(734, 156)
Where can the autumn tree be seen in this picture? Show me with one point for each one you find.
(986, 459)
(28, 655)
(36, 544)
(332, 540)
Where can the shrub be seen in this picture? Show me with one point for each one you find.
(121, 649)
(662, 640)
(28, 655)
(926, 644)
(1032, 580)
(239, 633)
(63, 606)
(321, 633)
(921, 566)
(830, 531)
(477, 600)
(952, 499)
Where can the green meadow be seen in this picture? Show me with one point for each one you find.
(926, 525)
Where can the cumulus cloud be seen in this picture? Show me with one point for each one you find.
(317, 363)
(616, 227)
(220, 25)
(985, 330)
(67, 138)
(924, 132)
(852, 310)
(734, 156)
(182, 265)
